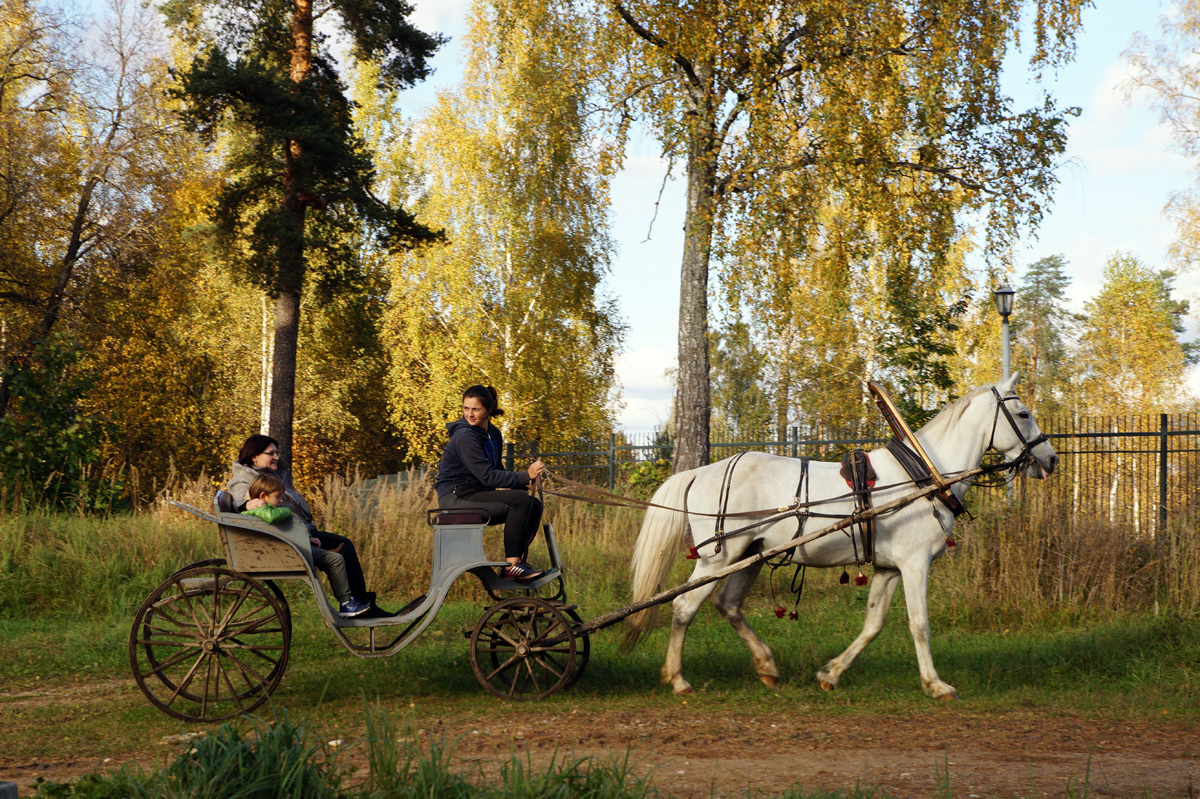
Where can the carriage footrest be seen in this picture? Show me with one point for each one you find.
(410, 606)
(501, 584)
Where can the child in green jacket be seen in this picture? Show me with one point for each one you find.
(268, 489)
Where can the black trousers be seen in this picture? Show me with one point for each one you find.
(354, 572)
(520, 512)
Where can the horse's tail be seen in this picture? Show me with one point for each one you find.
(654, 552)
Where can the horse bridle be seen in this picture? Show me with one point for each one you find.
(1026, 457)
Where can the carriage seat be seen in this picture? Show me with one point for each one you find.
(440, 517)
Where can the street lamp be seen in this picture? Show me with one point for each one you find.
(1004, 304)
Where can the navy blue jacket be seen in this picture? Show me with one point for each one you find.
(472, 459)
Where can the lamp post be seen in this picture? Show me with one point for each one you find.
(1004, 304)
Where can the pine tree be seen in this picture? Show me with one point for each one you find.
(264, 76)
(1042, 329)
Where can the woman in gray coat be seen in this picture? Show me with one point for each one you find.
(260, 455)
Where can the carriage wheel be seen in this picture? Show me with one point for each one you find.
(523, 648)
(275, 589)
(583, 650)
(210, 644)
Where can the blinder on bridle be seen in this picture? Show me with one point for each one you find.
(1025, 459)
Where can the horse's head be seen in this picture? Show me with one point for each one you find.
(1015, 433)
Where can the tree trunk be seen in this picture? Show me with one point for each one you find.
(58, 295)
(265, 375)
(290, 281)
(693, 402)
(283, 373)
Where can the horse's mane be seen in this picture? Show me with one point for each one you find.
(953, 412)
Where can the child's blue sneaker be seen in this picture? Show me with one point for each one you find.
(353, 607)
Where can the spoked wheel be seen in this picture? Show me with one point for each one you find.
(210, 643)
(275, 589)
(583, 649)
(523, 648)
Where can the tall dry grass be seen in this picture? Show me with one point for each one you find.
(1033, 565)
(1015, 564)
(390, 529)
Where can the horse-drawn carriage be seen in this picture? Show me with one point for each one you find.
(212, 641)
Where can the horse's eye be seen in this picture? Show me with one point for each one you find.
(1023, 415)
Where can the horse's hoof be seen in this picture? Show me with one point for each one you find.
(686, 690)
(769, 680)
(825, 683)
(950, 697)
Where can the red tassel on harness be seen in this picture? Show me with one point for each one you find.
(693, 554)
(844, 579)
(779, 611)
(793, 615)
(860, 580)
(950, 542)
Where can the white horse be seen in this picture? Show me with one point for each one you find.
(906, 540)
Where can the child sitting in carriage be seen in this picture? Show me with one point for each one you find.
(268, 489)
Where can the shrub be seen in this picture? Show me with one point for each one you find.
(643, 478)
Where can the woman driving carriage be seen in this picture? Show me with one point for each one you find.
(471, 475)
(260, 455)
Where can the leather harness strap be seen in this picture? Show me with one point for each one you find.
(860, 476)
(723, 504)
(911, 464)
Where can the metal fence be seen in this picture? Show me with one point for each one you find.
(1134, 470)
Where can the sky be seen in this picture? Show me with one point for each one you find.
(1118, 175)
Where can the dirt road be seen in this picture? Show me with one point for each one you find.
(697, 749)
(698, 753)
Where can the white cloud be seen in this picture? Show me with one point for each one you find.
(440, 16)
(644, 416)
(645, 390)
(644, 368)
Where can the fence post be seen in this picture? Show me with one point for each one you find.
(795, 441)
(612, 461)
(509, 461)
(1162, 474)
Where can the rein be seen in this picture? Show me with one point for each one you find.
(919, 476)
(598, 496)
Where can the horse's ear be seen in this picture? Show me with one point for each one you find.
(1006, 386)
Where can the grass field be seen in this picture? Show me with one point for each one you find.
(1023, 619)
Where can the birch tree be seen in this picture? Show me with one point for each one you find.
(83, 133)
(510, 167)
(1129, 353)
(1165, 67)
(890, 110)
